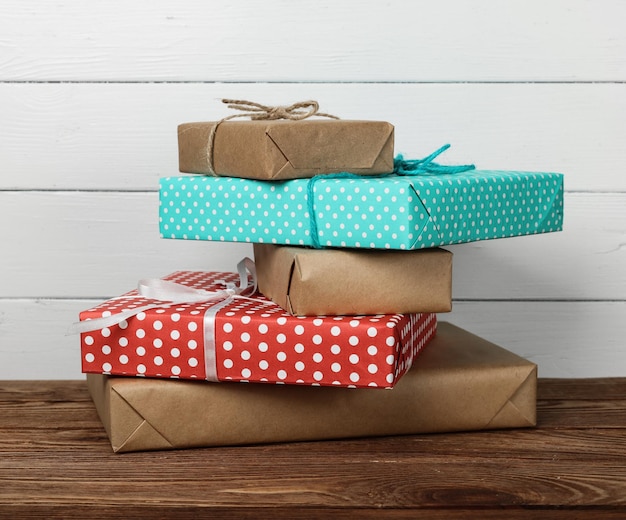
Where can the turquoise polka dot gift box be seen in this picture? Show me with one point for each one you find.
(383, 212)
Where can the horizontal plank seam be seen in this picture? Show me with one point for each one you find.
(323, 82)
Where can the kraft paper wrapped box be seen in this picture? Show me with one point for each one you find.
(459, 383)
(280, 149)
(383, 212)
(247, 339)
(309, 282)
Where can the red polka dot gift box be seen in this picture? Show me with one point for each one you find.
(218, 334)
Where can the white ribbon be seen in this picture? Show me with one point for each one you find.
(172, 293)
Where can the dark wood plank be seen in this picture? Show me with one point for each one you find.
(603, 389)
(577, 413)
(156, 512)
(55, 461)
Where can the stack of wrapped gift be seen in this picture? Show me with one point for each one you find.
(331, 332)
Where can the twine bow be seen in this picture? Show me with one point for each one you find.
(258, 112)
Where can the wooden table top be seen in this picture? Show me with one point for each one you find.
(56, 462)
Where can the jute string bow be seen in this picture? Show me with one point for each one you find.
(258, 112)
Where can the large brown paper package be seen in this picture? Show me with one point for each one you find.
(279, 150)
(335, 282)
(460, 382)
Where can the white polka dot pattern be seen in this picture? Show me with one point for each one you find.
(388, 212)
(256, 341)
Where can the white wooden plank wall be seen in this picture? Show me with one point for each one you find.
(91, 93)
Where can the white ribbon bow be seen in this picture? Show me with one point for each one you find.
(172, 293)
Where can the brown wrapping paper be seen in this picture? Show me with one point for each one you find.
(316, 282)
(278, 150)
(460, 382)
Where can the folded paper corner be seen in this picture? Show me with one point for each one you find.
(520, 409)
(144, 437)
(129, 429)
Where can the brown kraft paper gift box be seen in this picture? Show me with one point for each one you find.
(459, 383)
(279, 149)
(332, 282)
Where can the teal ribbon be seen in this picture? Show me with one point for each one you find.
(426, 166)
(401, 167)
(310, 195)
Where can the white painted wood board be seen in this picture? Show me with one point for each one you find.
(313, 40)
(565, 339)
(123, 136)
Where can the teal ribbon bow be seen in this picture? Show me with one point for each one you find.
(426, 166)
(402, 167)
